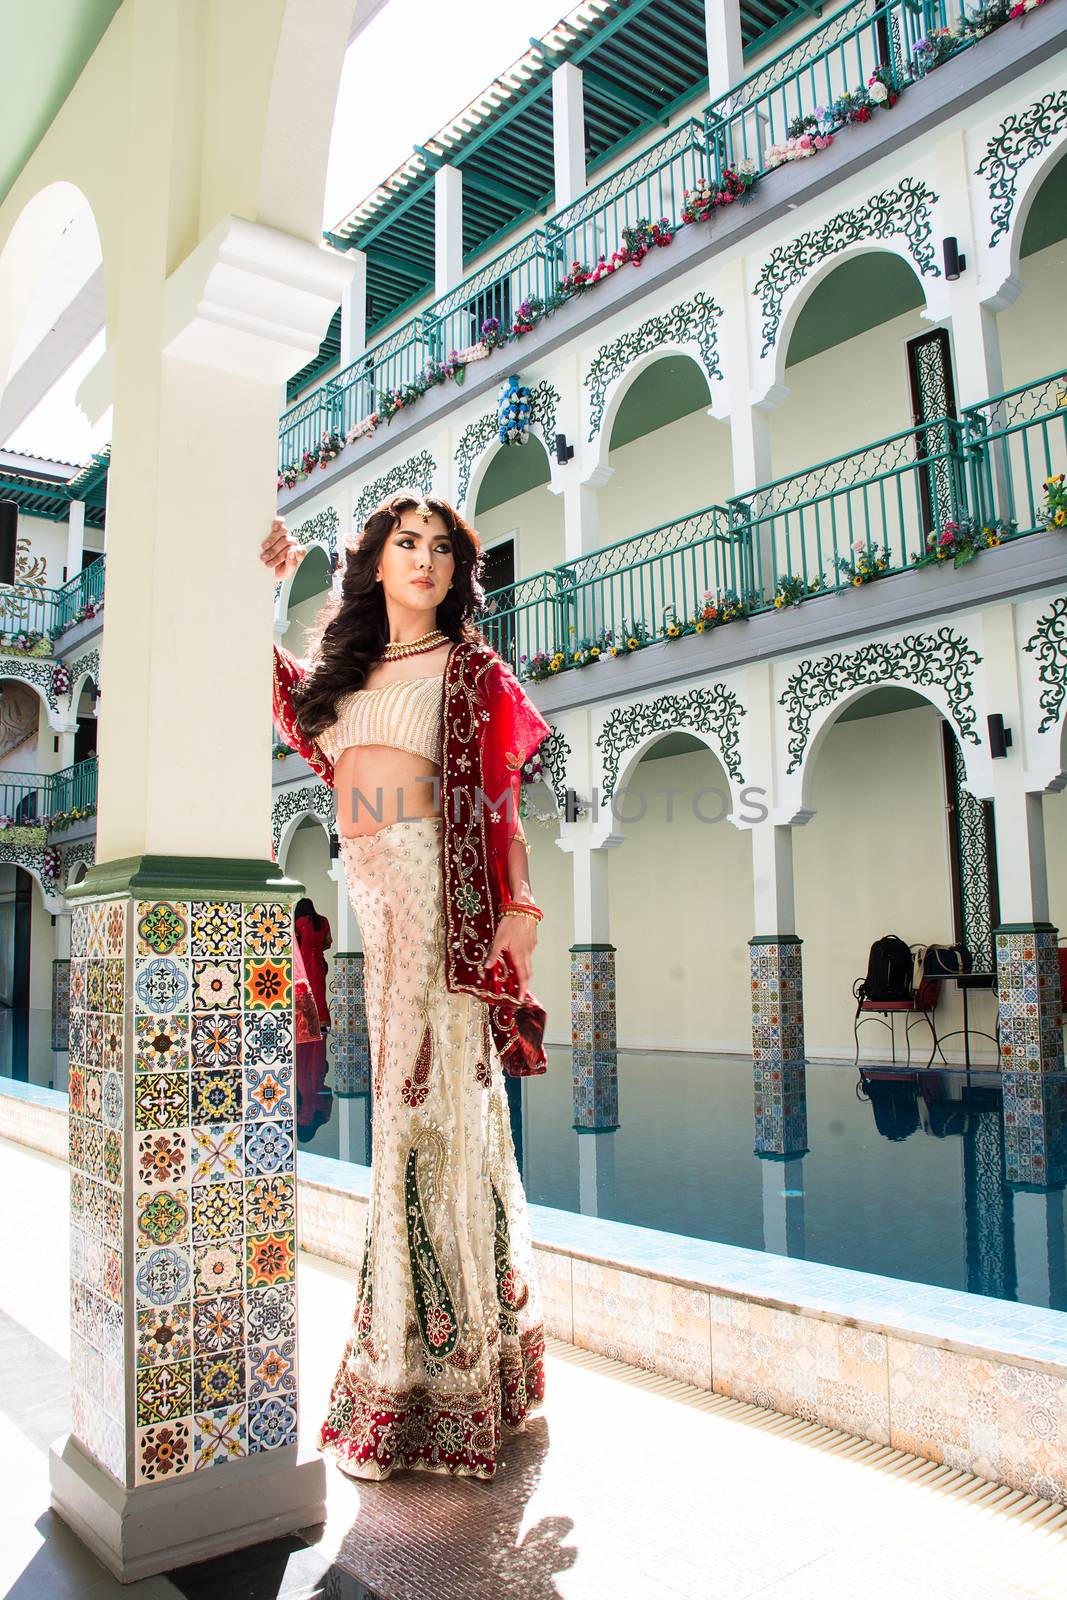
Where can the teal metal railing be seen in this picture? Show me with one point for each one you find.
(84, 589)
(888, 496)
(495, 290)
(353, 393)
(30, 798)
(1015, 441)
(834, 59)
(74, 786)
(650, 188)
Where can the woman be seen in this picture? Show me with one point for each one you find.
(313, 936)
(402, 704)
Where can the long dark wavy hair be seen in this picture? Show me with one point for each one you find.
(351, 631)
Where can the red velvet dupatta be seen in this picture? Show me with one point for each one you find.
(489, 729)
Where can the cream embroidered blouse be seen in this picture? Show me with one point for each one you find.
(404, 714)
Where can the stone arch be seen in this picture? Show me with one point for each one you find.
(619, 387)
(317, 553)
(9, 672)
(481, 465)
(1012, 181)
(32, 236)
(711, 713)
(797, 793)
(783, 302)
(290, 808)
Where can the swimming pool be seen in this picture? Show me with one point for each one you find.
(905, 1174)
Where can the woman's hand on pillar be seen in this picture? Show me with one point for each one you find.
(280, 551)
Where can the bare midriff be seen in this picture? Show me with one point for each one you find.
(376, 785)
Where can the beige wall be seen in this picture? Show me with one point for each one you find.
(308, 861)
(678, 469)
(535, 521)
(1033, 331)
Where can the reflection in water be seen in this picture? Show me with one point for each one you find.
(941, 1177)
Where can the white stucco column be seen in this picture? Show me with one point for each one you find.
(722, 22)
(75, 538)
(581, 512)
(448, 228)
(733, 402)
(1021, 867)
(592, 923)
(346, 934)
(354, 309)
(568, 133)
(774, 908)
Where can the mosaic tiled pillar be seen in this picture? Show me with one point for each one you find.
(348, 1047)
(1028, 986)
(183, 1201)
(1035, 1130)
(594, 1060)
(60, 1003)
(780, 1092)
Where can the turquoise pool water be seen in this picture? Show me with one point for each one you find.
(904, 1175)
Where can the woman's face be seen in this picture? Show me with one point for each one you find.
(417, 562)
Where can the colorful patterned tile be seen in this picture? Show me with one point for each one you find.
(219, 1379)
(164, 1334)
(268, 983)
(268, 1038)
(271, 1424)
(220, 1436)
(218, 1323)
(271, 1314)
(268, 1148)
(162, 1159)
(218, 1211)
(270, 1203)
(268, 929)
(164, 1392)
(162, 1217)
(164, 1451)
(216, 929)
(162, 928)
(216, 1040)
(218, 1152)
(162, 985)
(268, 1091)
(216, 986)
(660, 1326)
(270, 1259)
(271, 1369)
(217, 1094)
(161, 1044)
(218, 1268)
(162, 1276)
(161, 1100)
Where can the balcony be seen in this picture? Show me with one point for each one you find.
(36, 805)
(827, 72)
(924, 496)
(36, 620)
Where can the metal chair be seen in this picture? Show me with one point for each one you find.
(919, 1007)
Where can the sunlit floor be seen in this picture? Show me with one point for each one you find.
(627, 1486)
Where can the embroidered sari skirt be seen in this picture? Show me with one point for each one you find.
(447, 1345)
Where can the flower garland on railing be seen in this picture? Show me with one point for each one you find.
(737, 183)
(66, 819)
(52, 861)
(864, 565)
(790, 591)
(806, 135)
(328, 449)
(28, 833)
(962, 541)
(30, 642)
(90, 608)
(1054, 511)
(513, 412)
(60, 678)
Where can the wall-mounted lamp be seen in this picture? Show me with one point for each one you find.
(999, 736)
(335, 847)
(94, 693)
(954, 262)
(570, 805)
(564, 451)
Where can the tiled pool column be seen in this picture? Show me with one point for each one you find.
(183, 1221)
(780, 1096)
(349, 1046)
(1031, 1055)
(594, 1057)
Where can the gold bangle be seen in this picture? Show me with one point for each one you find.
(516, 913)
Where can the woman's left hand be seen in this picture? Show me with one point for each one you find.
(518, 936)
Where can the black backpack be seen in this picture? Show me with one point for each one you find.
(889, 970)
